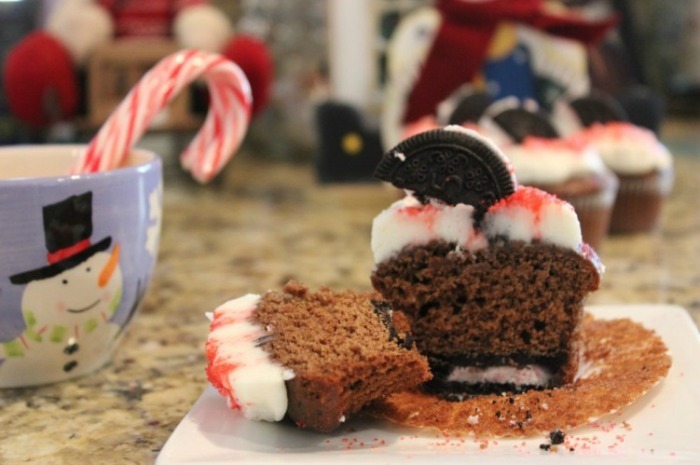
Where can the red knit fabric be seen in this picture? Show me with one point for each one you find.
(39, 80)
(145, 18)
(461, 44)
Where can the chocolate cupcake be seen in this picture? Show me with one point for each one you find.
(644, 168)
(573, 171)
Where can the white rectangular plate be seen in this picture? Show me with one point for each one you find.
(661, 427)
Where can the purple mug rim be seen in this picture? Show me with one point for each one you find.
(152, 161)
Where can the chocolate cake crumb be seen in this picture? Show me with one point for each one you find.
(385, 314)
(556, 437)
(296, 289)
(545, 447)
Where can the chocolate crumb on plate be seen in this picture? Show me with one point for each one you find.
(556, 437)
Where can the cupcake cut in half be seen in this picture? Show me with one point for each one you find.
(315, 357)
(491, 275)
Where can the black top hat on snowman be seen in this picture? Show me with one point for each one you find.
(67, 231)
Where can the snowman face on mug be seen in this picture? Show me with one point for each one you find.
(92, 288)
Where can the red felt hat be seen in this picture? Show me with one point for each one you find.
(39, 80)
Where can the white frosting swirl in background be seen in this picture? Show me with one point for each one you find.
(628, 149)
(541, 161)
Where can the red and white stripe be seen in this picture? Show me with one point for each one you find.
(215, 143)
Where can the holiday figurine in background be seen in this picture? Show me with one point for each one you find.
(523, 49)
(41, 72)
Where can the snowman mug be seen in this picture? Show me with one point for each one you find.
(76, 255)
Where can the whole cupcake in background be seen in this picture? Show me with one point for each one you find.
(571, 169)
(642, 164)
(644, 168)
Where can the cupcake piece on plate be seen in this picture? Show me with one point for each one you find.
(316, 357)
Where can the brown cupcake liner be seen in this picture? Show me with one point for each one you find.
(622, 361)
(639, 202)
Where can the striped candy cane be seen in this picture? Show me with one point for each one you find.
(217, 140)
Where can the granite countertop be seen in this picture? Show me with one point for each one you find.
(259, 225)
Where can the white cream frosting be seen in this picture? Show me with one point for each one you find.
(255, 383)
(552, 161)
(408, 222)
(628, 149)
(528, 215)
(548, 219)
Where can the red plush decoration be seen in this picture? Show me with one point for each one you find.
(254, 59)
(40, 77)
(39, 80)
(462, 41)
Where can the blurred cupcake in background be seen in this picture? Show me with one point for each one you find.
(510, 121)
(464, 108)
(644, 168)
(572, 170)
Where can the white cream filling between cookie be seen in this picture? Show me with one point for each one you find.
(528, 375)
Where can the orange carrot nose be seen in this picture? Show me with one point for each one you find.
(109, 268)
